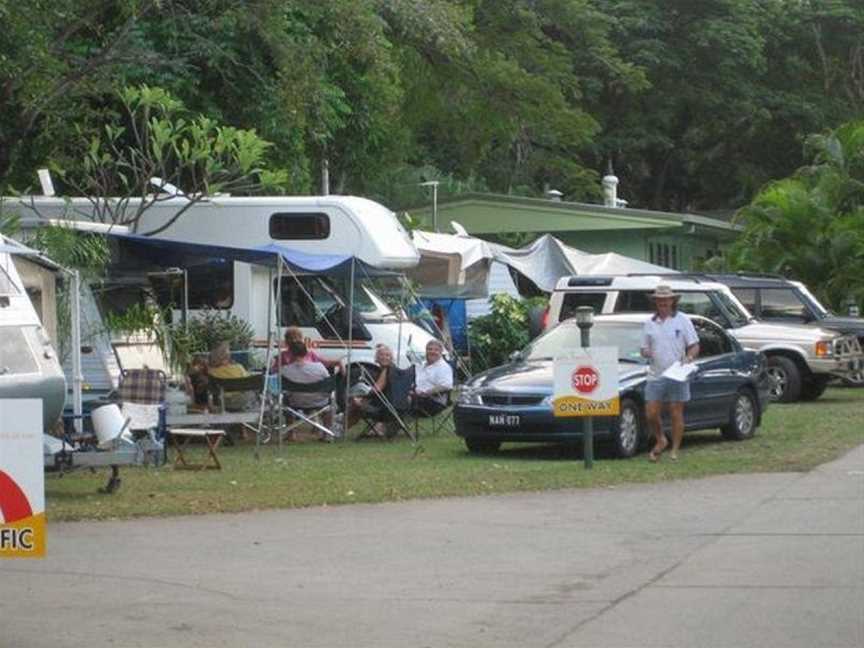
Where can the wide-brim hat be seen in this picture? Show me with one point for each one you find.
(664, 292)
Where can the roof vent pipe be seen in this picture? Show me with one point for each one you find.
(610, 188)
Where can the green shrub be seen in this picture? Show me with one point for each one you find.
(506, 329)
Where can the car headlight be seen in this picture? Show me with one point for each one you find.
(824, 349)
(469, 396)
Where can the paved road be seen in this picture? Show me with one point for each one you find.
(748, 560)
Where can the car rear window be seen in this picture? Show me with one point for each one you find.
(634, 301)
(782, 302)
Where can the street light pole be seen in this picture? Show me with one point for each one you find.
(585, 320)
(434, 185)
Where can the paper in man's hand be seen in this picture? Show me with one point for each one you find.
(680, 372)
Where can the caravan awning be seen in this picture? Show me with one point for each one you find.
(166, 252)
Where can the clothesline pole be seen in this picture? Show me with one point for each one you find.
(350, 344)
(266, 363)
(278, 338)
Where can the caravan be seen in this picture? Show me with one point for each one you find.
(28, 364)
(326, 225)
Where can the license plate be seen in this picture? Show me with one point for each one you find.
(504, 420)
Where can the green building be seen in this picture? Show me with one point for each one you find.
(677, 241)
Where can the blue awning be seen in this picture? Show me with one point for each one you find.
(167, 253)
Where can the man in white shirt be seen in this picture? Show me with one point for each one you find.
(433, 381)
(667, 337)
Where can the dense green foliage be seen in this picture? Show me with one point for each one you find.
(697, 104)
(507, 328)
(810, 226)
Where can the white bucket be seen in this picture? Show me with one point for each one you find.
(108, 423)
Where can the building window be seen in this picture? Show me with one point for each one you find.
(299, 226)
(675, 257)
(651, 252)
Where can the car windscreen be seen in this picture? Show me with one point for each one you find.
(627, 336)
(736, 312)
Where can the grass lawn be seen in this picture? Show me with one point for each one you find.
(792, 438)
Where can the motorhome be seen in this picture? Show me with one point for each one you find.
(28, 363)
(323, 225)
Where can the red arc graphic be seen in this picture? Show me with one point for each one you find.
(13, 502)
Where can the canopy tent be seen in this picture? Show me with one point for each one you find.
(290, 263)
(167, 252)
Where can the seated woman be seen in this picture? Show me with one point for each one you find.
(294, 334)
(221, 366)
(389, 398)
(373, 404)
(303, 369)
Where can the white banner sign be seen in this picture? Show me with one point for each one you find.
(22, 479)
(586, 382)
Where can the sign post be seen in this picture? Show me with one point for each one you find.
(22, 479)
(586, 385)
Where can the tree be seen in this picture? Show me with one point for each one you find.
(152, 150)
(810, 226)
(53, 55)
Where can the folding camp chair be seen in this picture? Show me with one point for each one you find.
(141, 397)
(252, 384)
(393, 406)
(330, 386)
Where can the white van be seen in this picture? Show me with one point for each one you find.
(338, 225)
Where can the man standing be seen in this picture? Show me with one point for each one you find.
(667, 337)
(433, 381)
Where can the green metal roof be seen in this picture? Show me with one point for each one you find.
(485, 213)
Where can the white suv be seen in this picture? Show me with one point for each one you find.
(800, 359)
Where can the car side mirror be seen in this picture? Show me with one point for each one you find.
(516, 356)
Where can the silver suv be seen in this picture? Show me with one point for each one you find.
(800, 359)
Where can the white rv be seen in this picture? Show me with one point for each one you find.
(337, 225)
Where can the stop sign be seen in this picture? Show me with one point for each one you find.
(585, 379)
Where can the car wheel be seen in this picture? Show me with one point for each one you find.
(482, 446)
(743, 416)
(785, 379)
(855, 380)
(627, 431)
(814, 388)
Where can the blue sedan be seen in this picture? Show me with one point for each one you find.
(513, 402)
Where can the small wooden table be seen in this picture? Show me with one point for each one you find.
(213, 439)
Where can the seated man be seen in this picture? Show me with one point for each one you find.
(304, 370)
(294, 334)
(433, 382)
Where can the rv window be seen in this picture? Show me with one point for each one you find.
(297, 309)
(15, 354)
(211, 285)
(299, 227)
